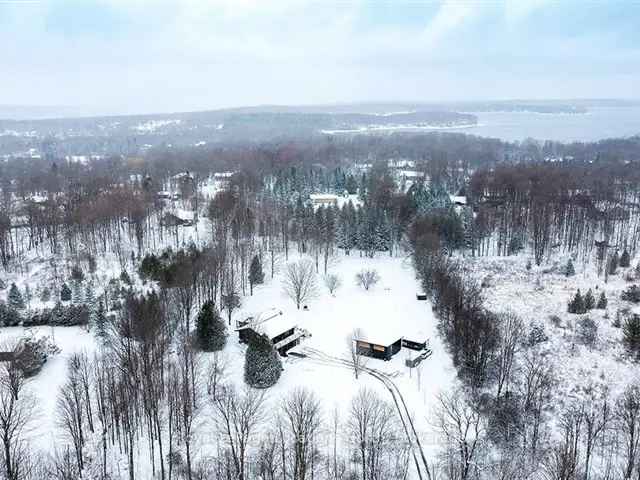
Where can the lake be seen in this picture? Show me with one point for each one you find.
(599, 123)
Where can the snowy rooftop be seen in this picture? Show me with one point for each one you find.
(271, 322)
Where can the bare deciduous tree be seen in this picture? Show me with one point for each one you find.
(238, 415)
(299, 282)
(462, 428)
(367, 278)
(302, 416)
(332, 282)
(357, 361)
(510, 328)
(371, 427)
(17, 409)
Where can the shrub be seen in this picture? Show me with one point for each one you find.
(332, 282)
(65, 293)
(613, 263)
(556, 320)
(587, 331)
(569, 270)
(576, 305)
(77, 274)
(602, 301)
(537, 335)
(625, 259)
(8, 316)
(631, 294)
(45, 295)
(15, 300)
(367, 278)
(589, 301)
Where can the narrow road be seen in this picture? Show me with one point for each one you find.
(401, 406)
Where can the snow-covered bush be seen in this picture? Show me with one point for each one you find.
(367, 278)
(14, 299)
(262, 365)
(537, 335)
(65, 293)
(631, 294)
(76, 273)
(332, 282)
(625, 259)
(9, 317)
(569, 270)
(602, 302)
(587, 331)
(576, 305)
(32, 353)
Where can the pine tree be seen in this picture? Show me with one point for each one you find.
(262, 365)
(602, 302)
(77, 298)
(638, 271)
(577, 304)
(45, 295)
(15, 300)
(589, 301)
(210, 329)
(256, 275)
(631, 334)
(625, 259)
(101, 322)
(613, 263)
(570, 270)
(65, 293)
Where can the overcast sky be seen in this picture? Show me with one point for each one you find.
(160, 55)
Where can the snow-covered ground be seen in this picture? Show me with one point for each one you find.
(388, 309)
(542, 293)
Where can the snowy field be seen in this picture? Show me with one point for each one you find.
(388, 310)
(542, 293)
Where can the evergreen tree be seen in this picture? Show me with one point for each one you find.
(65, 293)
(27, 296)
(631, 334)
(262, 364)
(625, 259)
(589, 301)
(45, 295)
(256, 275)
(638, 271)
(15, 300)
(602, 302)
(613, 263)
(570, 270)
(210, 329)
(77, 298)
(101, 322)
(577, 304)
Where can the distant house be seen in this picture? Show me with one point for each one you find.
(178, 218)
(324, 199)
(283, 332)
(458, 200)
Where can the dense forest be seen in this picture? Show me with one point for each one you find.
(435, 199)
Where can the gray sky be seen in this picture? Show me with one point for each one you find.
(130, 56)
